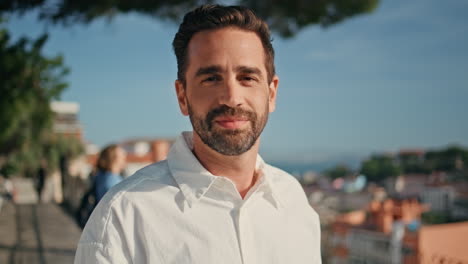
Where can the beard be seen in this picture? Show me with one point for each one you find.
(229, 142)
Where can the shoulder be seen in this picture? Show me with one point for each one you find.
(289, 190)
(156, 173)
(282, 180)
(117, 202)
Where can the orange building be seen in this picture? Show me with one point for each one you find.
(374, 235)
(438, 244)
(390, 232)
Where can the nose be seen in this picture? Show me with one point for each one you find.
(231, 93)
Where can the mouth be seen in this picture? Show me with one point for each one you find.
(231, 122)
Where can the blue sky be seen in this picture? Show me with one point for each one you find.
(396, 78)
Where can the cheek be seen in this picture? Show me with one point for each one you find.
(262, 101)
(201, 102)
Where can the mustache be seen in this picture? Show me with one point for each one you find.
(225, 110)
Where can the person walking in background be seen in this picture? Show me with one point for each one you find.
(41, 178)
(7, 190)
(111, 162)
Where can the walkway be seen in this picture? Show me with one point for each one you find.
(36, 233)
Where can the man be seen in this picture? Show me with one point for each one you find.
(213, 200)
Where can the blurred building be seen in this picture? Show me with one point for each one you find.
(444, 243)
(140, 153)
(440, 198)
(434, 190)
(66, 119)
(374, 235)
(390, 232)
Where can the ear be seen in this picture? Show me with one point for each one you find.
(181, 97)
(272, 91)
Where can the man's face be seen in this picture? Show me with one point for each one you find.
(226, 94)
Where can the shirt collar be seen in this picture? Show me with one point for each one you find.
(194, 180)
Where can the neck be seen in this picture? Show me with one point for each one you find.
(239, 169)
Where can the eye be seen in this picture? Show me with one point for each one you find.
(211, 78)
(248, 78)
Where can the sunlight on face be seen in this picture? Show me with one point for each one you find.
(227, 95)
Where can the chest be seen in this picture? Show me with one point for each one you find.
(219, 233)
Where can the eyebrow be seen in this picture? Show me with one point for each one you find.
(249, 70)
(208, 70)
(217, 69)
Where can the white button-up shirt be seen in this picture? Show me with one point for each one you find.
(176, 211)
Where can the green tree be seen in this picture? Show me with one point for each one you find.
(435, 218)
(28, 82)
(339, 171)
(412, 163)
(380, 167)
(286, 17)
(450, 159)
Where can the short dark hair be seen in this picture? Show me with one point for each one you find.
(210, 17)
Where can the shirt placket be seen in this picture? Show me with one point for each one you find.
(246, 241)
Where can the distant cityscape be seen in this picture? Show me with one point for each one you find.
(405, 207)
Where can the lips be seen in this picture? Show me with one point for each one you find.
(229, 118)
(231, 122)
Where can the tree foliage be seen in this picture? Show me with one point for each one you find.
(413, 163)
(450, 159)
(286, 17)
(339, 171)
(453, 160)
(380, 167)
(28, 82)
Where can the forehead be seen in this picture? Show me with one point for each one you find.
(120, 150)
(225, 47)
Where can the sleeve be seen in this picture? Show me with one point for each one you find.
(313, 218)
(103, 239)
(88, 252)
(317, 248)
